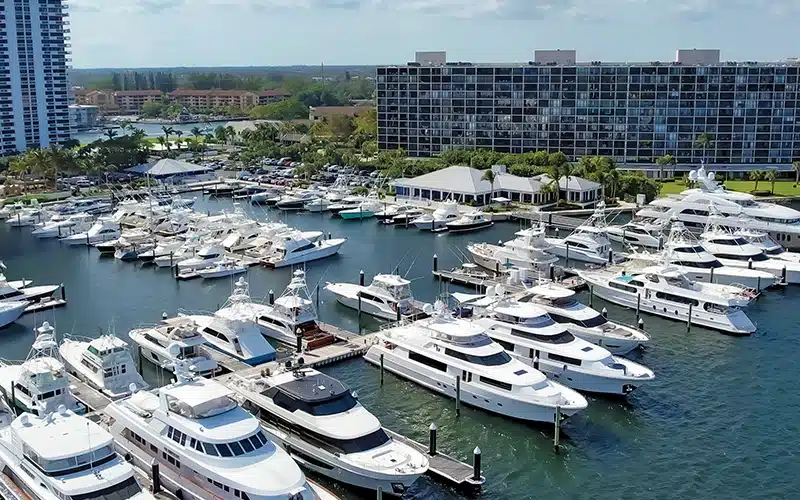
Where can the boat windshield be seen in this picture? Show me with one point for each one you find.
(775, 251)
(128, 488)
(537, 322)
(496, 359)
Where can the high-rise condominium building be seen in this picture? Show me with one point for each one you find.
(634, 112)
(34, 88)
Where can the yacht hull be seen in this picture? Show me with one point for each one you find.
(643, 240)
(84, 239)
(559, 248)
(463, 228)
(615, 345)
(367, 306)
(430, 225)
(328, 249)
(356, 214)
(472, 395)
(729, 276)
(12, 312)
(583, 381)
(497, 263)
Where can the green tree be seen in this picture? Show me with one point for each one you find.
(770, 176)
(667, 159)
(196, 132)
(167, 131)
(796, 168)
(290, 109)
(489, 175)
(110, 133)
(704, 142)
(756, 176)
(221, 134)
(342, 126)
(152, 109)
(178, 134)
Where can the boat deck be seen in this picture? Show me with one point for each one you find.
(481, 283)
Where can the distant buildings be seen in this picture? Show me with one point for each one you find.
(83, 116)
(633, 112)
(131, 101)
(34, 57)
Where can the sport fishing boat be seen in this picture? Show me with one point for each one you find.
(76, 223)
(205, 257)
(666, 291)
(15, 291)
(317, 205)
(471, 221)
(198, 433)
(154, 343)
(222, 269)
(346, 203)
(239, 339)
(365, 210)
(293, 248)
(529, 250)
(104, 363)
(637, 233)
(29, 217)
(39, 385)
(405, 219)
(433, 352)
(296, 201)
(62, 455)
(387, 297)
(330, 432)
(587, 243)
(392, 211)
(447, 212)
(11, 310)
(102, 230)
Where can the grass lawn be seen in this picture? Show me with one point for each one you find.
(782, 188)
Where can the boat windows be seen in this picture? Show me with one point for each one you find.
(153, 340)
(71, 465)
(586, 323)
(576, 245)
(8, 295)
(564, 359)
(563, 337)
(712, 264)
(210, 449)
(247, 445)
(624, 288)
(215, 333)
(307, 246)
(694, 249)
(435, 364)
(224, 450)
(715, 308)
(495, 383)
(730, 241)
(537, 321)
(690, 211)
(236, 448)
(128, 488)
(92, 349)
(636, 283)
(677, 298)
(508, 346)
(496, 359)
(90, 366)
(755, 258)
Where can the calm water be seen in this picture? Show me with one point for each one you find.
(722, 419)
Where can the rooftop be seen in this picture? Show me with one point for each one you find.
(197, 392)
(124, 93)
(71, 432)
(314, 388)
(168, 166)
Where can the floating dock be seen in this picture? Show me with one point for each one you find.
(481, 283)
(87, 395)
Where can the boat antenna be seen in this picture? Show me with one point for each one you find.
(412, 263)
(401, 260)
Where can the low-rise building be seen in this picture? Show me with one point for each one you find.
(270, 96)
(97, 97)
(133, 100)
(83, 116)
(214, 98)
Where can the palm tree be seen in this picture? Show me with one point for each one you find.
(221, 134)
(110, 133)
(488, 175)
(796, 168)
(164, 144)
(703, 142)
(664, 160)
(231, 133)
(756, 175)
(178, 134)
(196, 132)
(167, 131)
(770, 176)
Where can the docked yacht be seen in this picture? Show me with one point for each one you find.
(530, 335)
(770, 247)
(11, 210)
(76, 223)
(243, 237)
(587, 243)
(29, 217)
(406, 218)
(529, 250)
(471, 221)
(102, 230)
(185, 250)
(83, 205)
(346, 203)
(237, 338)
(199, 433)
(296, 201)
(104, 363)
(16, 291)
(11, 310)
(365, 210)
(387, 297)
(329, 431)
(293, 248)
(447, 212)
(683, 252)
(583, 321)
(392, 211)
(692, 206)
(222, 269)
(434, 352)
(641, 234)
(261, 198)
(317, 205)
(62, 455)
(154, 344)
(666, 291)
(39, 385)
(207, 256)
(162, 249)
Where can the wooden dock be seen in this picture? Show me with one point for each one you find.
(88, 396)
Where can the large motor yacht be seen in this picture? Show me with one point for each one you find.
(76, 223)
(294, 248)
(436, 351)
(237, 338)
(471, 221)
(324, 427)
(692, 208)
(39, 385)
(770, 247)
(587, 243)
(105, 363)
(387, 297)
(683, 252)
(62, 455)
(447, 212)
(198, 432)
(666, 291)
(530, 335)
(529, 250)
(154, 343)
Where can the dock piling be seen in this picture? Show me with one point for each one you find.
(750, 263)
(381, 368)
(398, 313)
(566, 243)
(299, 343)
(758, 287)
(641, 324)
(783, 275)
(557, 435)
(361, 277)
(63, 292)
(156, 477)
(359, 314)
(638, 305)
(271, 297)
(171, 258)
(380, 493)
(476, 464)
(610, 256)
(552, 272)
(458, 396)
(711, 278)
(316, 292)
(435, 262)
(432, 440)
(689, 319)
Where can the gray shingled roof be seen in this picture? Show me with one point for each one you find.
(575, 183)
(168, 166)
(470, 181)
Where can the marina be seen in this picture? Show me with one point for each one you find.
(658, 421)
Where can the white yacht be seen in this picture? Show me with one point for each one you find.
(391, 211)
(205, 257)
(770, 247)
(582, 320)
(324, 428)
(346, 203)
(296, 201)
(405, 219)
(529, 250)
(154, 346)
(16, 291)
(11, 310)
(222, 269)
(162, 249)
(29, 217)
(587, 243)
(102, 230)
(293, 248)
(186, 250)
(470, 221)
(62, 455)
(76, 223)
(530, 335)
(198, 432)
(317, 205)
(447, 212)
(434, 352)
(237, 338)
(243, 237)
(104, 363)
(691, 207)
(683, 252)
(387, 297)
(83, 205)
(365, 210)
(11, 210)
(665, 291)
(737, 252)
(39, 385)
(635, 233)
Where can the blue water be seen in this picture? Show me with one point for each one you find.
(722, 419)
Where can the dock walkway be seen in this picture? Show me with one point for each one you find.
(441, 466)
(480, 284)
(91, 398)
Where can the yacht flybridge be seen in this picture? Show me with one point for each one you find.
(39, 385)
(155, 345)
(105, 363)
(197, 431)
(666, 291)
(529, 250)
(587, 243)
(387, 297)
(692, 208)
(329, 431)
(635, 233)
(62, 455)
(434, 352)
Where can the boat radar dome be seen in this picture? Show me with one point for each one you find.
(427, 309)
(62, 410)
(132, 388)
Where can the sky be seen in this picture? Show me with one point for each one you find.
(163, 33)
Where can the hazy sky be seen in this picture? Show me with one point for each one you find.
(149, 33)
